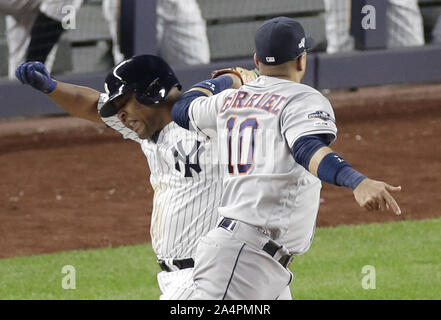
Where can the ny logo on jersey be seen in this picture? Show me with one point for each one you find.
(191, 160)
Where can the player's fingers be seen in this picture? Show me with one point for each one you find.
(392, 203)
(368, 206)
(376, 205)
(39, 66)
(31, 74)
(382, 202)
(385, 205)
(19, 73)
(24, 73)
(392, 188)
(36, 76)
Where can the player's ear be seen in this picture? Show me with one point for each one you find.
(301, 62)
(256, 62)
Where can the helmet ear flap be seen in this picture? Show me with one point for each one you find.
(153, 93)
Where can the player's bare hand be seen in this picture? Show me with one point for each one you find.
(376, 195)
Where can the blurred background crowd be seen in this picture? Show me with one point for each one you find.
(78, 36)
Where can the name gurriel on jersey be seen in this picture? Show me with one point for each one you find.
(268, 102)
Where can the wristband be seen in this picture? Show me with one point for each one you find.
(216, 85)
(334, 170)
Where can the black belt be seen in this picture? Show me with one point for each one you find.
(271, 247)
(180, 263)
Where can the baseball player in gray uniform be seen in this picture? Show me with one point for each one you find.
(184, 170)
(273, 137)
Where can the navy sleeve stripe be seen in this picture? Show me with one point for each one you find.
(179, 111)
(332, 169)
(305, 147)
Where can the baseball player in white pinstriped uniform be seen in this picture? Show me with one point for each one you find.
(185, 172)
(186, 196)
(273, 137)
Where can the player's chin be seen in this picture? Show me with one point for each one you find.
(143, 132)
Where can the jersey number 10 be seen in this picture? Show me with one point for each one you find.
(238, 144)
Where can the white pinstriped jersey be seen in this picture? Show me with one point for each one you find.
(256, 126)
(186, 179)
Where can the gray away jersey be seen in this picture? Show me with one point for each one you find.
(256, 126)
(186, 179)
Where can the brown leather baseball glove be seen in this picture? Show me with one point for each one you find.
(245, 75)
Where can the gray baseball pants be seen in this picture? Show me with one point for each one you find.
(232, 265)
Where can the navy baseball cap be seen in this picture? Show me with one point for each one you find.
(280, 40)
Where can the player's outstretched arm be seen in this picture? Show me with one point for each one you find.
(206, 89)
(370, 194)
(313, 153)
(231, 78)
(76, 100)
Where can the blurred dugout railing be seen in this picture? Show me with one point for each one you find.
(231, 23)
(84, 53)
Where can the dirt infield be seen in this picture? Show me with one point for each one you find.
(68, 184)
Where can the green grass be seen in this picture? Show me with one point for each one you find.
(113, 273)
(406, 256)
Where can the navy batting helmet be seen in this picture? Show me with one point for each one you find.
(150, 77)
